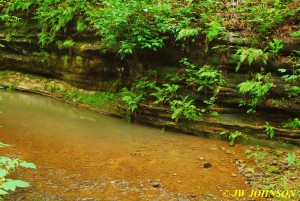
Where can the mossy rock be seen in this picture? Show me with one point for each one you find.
(273, 169)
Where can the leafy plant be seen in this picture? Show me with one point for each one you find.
(11, 86)
(291, 159)
(292, 123)
(187, 33)
(65, 44)
(184, 108)
(205, 79)
(52, 87)
(131, 99)
(7, 166)
(258, 155)
(275, 46)
(283, 182)
(257, 88)
(214, 29)
(292, 79)
(296, 34)
(251, 54)
(79, 60)
(137, 93)
(269, 130)
(262, 17)
(233, 136)
(165, 94)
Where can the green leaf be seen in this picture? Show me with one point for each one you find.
(3, 173)
(27, 165)
(9, 186)
(2, 192)
(4, 159)
(282, 70)
(3, 145)
(20, 183)
(187, 32)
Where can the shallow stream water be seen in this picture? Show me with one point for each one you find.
(82, 155)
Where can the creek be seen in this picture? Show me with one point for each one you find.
(83, 155)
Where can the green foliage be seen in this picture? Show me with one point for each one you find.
(131, 99)
(124, 25)
(7, 166)
(137, 93)
(11, 87)
(291, 159)
(52, 16)
(79, 60)
(99, 99)
(166, 93)
(184, 108)
(251, 54)
(131, 24)
(81, 26)
(262, 17)
(257, 89)
(52, 88)
(65, 44)
(187, 33)
(275, 46)
(95, 100)
(257, 154)
(233, 136)
(296, 34)
(72, 95)
(269, 130)
(205, 80)
(292, 123)
(3, 145)
(292, 79)
(214, 29)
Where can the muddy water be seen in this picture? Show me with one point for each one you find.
(82, 155)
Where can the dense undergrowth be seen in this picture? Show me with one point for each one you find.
(128, 26)
(131, 25)
(151, 24)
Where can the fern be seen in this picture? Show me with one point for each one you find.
(20, 5)
(165, 94)
(292, 123)
(184, 108)
(81, 25)
(131, 99)
(214, 29)
(269, 130)
(275, 46)
(187, 33)
(257, 89)
(65, 44)
(296, 34)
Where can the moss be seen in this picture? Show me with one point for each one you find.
(101, 99)
(273, 169)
